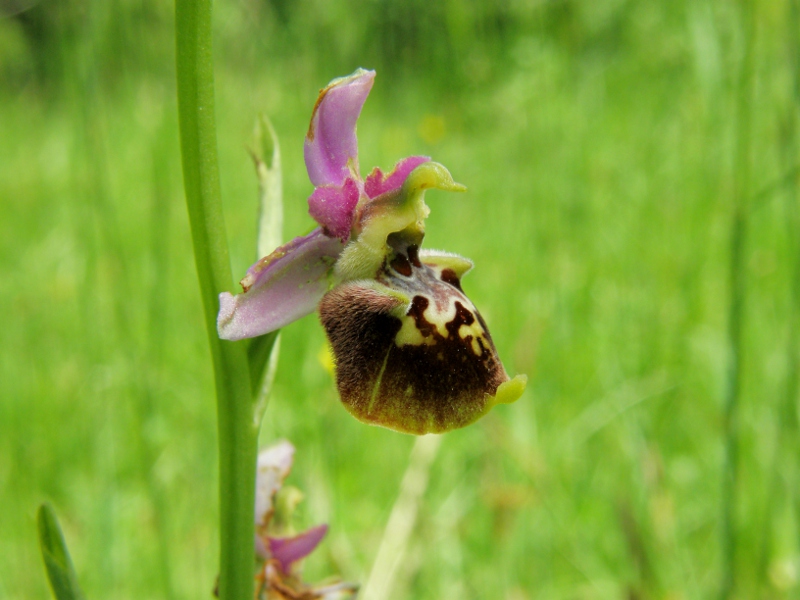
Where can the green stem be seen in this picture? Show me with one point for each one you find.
(237, 431)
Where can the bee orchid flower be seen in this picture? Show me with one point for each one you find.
(412, 352)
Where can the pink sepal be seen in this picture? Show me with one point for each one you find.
(279, 288)
(331, 147)
(333, 207)
(378, 183)
(291, 549)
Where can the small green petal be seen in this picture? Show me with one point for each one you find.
(430, 175)
(446, 260)
(511, 391)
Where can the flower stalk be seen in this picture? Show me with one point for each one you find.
(237, 430)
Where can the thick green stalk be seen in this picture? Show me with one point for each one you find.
(237, 431)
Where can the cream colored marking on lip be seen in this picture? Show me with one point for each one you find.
(475, 330)
(476, 347)
(440, 318)
(409, 335)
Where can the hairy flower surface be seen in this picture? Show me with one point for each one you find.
(412, 352)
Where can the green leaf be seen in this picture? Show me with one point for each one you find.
(56, 557)
(266, 155)
(258, 356)
(262, 353)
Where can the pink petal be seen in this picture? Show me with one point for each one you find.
(289, 550)
(279, 288)
(333, 207)
(331, 148)
(377, 183)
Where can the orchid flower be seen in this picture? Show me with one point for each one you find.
(278, 554)
(412, 352)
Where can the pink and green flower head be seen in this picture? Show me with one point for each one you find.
(412, 352)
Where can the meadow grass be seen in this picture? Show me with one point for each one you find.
(598, 143)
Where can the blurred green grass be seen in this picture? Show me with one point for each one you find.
(597, 141)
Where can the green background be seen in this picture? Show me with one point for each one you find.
(611, 149)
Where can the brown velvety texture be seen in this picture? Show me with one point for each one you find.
(444, 382)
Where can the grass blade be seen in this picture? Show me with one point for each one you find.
(737, 288)
(57, 561)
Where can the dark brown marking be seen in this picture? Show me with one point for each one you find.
(449, 276)
(486, 331)
(463, 316)
(417, 312)
(413, 255)
(484, 350)
(311, 133)
(401, 265)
